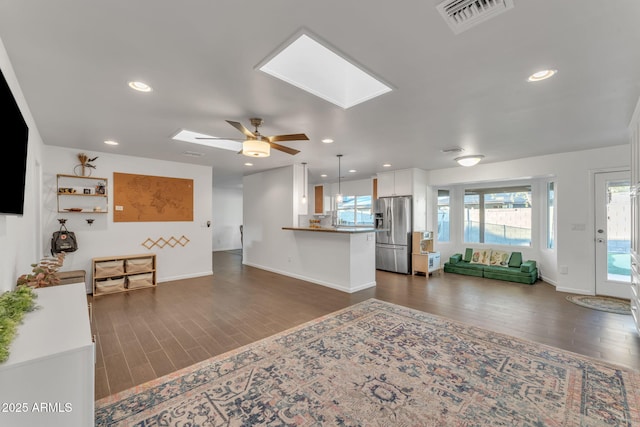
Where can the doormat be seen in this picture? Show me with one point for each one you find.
(609, 304)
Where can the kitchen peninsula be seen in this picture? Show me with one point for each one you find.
(342, 258)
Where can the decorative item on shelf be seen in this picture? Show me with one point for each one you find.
(73, 209)
(85, 166)
(43, 274)
(101, 188)
(66, 190)
(97, 209)
(314, 223)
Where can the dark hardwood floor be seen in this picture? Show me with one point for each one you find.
(148, 333)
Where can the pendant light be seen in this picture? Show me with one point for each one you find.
(304, 183)
(339, 195)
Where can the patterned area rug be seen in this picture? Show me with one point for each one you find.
(379, 364)
(612, 305)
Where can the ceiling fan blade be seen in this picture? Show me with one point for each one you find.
(220, 138)
(283, 148)
(292, 137)
(242, 129)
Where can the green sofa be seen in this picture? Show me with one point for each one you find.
(511, 269)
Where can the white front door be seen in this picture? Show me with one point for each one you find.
(613, 234)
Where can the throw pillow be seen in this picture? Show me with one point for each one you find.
(481, 256)
(515, 260)
(500, 258)
(468, 253)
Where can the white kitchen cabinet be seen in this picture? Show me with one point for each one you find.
(395, 183)
(48, 379)
(300, 190)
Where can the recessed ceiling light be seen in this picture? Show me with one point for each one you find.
(248, 164)
(111, 142)
(324, 175)
(386, 165)
(352, 171)
(140, 86)
(193, 137)
(327, 140)
(541, 75)
(313, 67)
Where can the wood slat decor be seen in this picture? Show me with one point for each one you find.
(144, 198)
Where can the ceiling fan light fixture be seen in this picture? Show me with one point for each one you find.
(256, 148)
(469, 160)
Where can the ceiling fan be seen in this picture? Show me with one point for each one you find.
(257, 145)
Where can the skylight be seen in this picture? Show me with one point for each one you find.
(310, 66)
(190, 136)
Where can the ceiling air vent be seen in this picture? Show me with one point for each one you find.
(464, 14)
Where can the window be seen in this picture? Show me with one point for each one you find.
(443, 216)
(498, 215)
(355, 210)
(551, 196)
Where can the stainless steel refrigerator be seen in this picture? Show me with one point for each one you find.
(393, 239)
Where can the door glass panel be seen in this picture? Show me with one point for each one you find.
(618, 231)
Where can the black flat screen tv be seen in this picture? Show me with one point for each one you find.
(14, 144)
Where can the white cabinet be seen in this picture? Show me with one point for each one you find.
(395, 183)
(50, 369)
(300, 191)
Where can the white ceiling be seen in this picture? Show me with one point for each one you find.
(73, 59)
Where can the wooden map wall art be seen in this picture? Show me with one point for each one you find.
(144, 198)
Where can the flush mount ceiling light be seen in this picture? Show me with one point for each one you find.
(327, 140)
(248, 164)
(469, 160)
(541, 75)
(111, 142)
(201, 139)
(386, 165)
(313, 67)
(324, 175)
(140, 86)
(256, 148)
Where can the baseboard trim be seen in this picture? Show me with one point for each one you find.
(549, 281)
(574, 291)
(314, 281)
(184, 276)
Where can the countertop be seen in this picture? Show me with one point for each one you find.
(335, 230)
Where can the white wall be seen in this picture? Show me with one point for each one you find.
(107, 238)
(227, 217)
(268, 201)
(573, 175)
(19, 234)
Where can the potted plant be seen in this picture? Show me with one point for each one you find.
(43, 273)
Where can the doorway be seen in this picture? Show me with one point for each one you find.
(613, 234)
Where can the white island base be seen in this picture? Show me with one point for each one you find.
(343, 259)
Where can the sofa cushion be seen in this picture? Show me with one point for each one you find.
(455, 258)
(467, 254)
(515, 260)
(499, 258)
(481, 256)
(528, 266)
